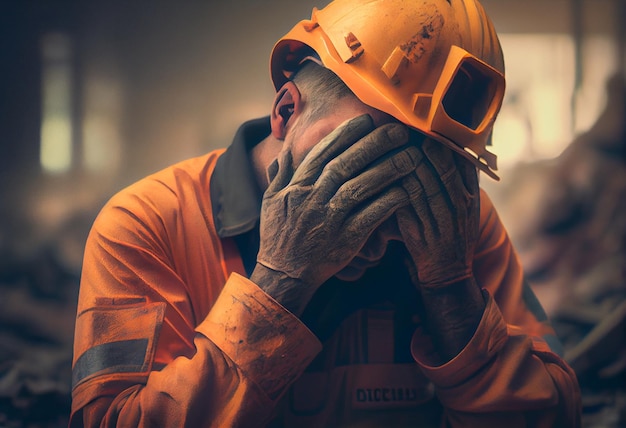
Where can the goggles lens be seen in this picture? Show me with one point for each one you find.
(470, 96)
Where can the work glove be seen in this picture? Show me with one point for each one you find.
(316, 219)
(440, 225)
(440, 229)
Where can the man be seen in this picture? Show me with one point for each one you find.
(337, 265)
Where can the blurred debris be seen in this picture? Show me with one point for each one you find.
(567, 218)
(39, 277)
(602, 346)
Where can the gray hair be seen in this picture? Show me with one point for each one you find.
(321, 89)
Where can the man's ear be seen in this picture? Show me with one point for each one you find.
(286, 103)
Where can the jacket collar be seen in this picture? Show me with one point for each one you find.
(235, 194)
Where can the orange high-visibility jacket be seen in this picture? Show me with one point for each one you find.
(171, 333)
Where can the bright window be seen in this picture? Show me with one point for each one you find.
(541, 114)
(56, 126)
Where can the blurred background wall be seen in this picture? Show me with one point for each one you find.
(95, 94)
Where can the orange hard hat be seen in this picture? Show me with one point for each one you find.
(435, 65)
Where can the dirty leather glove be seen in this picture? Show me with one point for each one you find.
(316, 219)
(440, 226)
(440, 229)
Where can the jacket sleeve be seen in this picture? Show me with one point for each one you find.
(139, 358)
(509, 374)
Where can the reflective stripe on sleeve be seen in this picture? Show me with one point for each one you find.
(116, 338)
(122, 357)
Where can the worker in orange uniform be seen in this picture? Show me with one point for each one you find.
(337, 265)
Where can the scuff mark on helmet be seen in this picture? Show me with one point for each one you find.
(422, 41)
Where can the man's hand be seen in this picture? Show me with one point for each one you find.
(440, 231)
(316, 219)
(440, 227)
